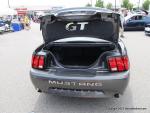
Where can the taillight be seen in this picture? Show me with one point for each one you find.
(38, 61)
(41, 62)
(126, 62)
(118, 64)
(112, 64)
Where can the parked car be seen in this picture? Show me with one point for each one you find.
(136, 22)
(141, 11)
(82, 55)
(147, 29)
(2, 27)
(5, 26)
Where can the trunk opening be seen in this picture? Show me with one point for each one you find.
(79, 56)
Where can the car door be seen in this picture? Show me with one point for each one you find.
(131, 23)
(146, 20)
(140, 22)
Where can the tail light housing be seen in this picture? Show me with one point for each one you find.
(118, 64)
(38, 61)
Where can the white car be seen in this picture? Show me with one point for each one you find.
(2, 27)
(147, 29)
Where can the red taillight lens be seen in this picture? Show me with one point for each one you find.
(38, 61)
(35, 61)
(118, 63)
(126, 62)
(112, 64)
(41, 62)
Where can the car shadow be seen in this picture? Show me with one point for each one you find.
(54, 104)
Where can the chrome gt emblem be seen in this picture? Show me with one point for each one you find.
(74, 26)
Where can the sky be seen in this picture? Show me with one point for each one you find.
(64, 3)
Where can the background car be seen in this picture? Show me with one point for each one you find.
(136, 22)
(147, 29)
(5, 26)
(141, 11)
(2, 26)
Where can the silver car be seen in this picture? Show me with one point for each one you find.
(82, 55)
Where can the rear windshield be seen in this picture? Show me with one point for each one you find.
(95, 28)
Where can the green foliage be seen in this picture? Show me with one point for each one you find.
(127, 4)
(99, 3)
(109, 6)
(130, 6)
(146, 4)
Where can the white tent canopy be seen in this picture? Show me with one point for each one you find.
(8, 11)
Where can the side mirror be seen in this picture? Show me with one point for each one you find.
(130, 19)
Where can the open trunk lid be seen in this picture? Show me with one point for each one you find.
(81, 22)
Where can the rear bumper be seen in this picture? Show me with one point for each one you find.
(107, 84)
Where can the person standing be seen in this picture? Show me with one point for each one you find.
(26, 22)
(121, 24)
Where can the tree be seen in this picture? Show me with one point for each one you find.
(109, 6)
(130, 6)
(127, 4)
(88, 5)
(146, 4)
(99, 3)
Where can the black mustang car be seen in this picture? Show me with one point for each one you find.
(82, 55)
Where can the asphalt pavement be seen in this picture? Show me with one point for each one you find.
(17, 94)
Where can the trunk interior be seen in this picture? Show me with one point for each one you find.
(75, 56)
